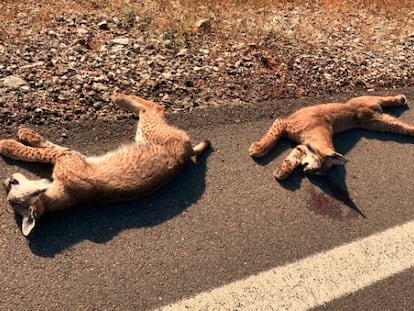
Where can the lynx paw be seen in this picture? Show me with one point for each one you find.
(256, 150)
(30, 137)
(402, 99)
(280, 174)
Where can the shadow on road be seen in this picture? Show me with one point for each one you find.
(57, 232)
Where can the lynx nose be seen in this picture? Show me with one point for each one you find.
(8, 182)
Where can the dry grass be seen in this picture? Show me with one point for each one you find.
(228, 18)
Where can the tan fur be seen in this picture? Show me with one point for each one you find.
(132, 171)
(313, 128)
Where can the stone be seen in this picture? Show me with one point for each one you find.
(103, 25)
(203, 24)
(167, 75)
(120, 41)
(116, 48)
(97, 86)
(168, 44)
(13, 82)
(182, 52)
(32, 65)
(82, 31)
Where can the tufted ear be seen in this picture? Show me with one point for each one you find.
(29, 221)
(28, 224)
(337, 159)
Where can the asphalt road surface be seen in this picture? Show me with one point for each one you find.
(225, 230)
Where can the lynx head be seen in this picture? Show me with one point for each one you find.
(318, 162)
(21, 194)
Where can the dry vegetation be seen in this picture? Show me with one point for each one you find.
(228, 18)
(65, 57)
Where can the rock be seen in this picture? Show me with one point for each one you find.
(203, 24)
(168, 44)
(25, 88)
(82, 31)
(182, 52)
(167, 75)
(120, 41)
(116, 21)
(103, 25)
(204, 51)
(117, 48)
(13, 82)
(97, 86)
(97, 105)
(32, 65)
(100, 78)
(327, 76)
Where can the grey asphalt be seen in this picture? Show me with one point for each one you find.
(224, 218)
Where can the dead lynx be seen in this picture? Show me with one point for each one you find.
(313, 127)
(132, 171)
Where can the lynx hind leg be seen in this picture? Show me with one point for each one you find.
(127, 102)
(261, 147)
(288, 165)
(134, 103)
(390, 101)
(387, 123)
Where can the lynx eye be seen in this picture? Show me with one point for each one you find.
(13, 181)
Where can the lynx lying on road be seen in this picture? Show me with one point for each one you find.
(132, 171)
(313, 127)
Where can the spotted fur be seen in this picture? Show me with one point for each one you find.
(313, 127)
(131, 171)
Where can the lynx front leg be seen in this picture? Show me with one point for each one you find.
(134, 103)
(17, 151)
(289, 164)
(269, 140)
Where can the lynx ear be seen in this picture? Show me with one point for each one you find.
(29, 221)
(337, 159)
(28, 224)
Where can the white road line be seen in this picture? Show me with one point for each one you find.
(314, 280)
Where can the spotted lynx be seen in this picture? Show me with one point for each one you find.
(313, 128)
(132, 171)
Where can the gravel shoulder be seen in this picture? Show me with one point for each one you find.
(66, 71)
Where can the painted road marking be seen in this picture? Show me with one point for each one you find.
(314, 280)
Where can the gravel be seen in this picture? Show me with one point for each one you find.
(66, 72)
